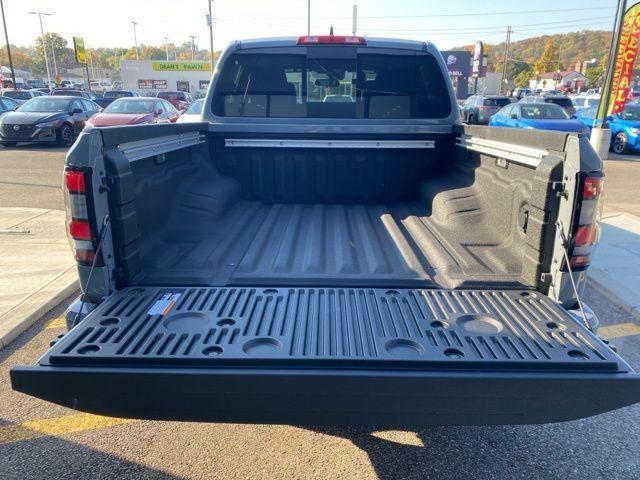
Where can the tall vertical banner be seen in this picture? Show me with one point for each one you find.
(626, 52)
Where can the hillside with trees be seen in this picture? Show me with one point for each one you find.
(563, 51)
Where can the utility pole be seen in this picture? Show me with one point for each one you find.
(308, 17)
(193, 47)
(210, 22)
(166, 47)
(6, 36)
(135, 38)
(44, 47)
(506, 58)
(355, 20)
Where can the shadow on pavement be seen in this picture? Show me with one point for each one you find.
(53, 458)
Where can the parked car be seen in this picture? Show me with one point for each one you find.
(541, 116)
(310, 262)
(585, 101)
(477, 109)
(111, 95)
(8, 105)
(135, 111)
(49, 119)
(520, 92)
(560, 100)
(625, 127)
(180, 100)
(68, 92)
(20, 96)
(193, 113)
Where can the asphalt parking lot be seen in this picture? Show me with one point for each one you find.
(43, 441)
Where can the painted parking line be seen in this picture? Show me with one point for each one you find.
(55, 323)
(619, 330)
(52, 427)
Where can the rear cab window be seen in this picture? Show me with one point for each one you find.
(331, 82)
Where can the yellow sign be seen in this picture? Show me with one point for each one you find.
(78, 45)
(57, 79)
(180, 66)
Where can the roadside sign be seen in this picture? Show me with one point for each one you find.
(478, 53)
(57, 79)
(78, 45)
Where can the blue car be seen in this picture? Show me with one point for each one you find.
(625, 127)
(543, 116)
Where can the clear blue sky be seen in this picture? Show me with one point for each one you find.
(445, 22)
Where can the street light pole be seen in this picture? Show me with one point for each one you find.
(135, 38)
(44, 46)
(308, 17)
(193, 47)
(6, 36)
(210, 21)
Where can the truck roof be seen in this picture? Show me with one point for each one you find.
(371, 42)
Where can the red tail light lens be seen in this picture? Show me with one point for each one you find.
(74, 181)
(591, 188)
(80, 230)
(585, 235)
(331, 40)
(580, 261)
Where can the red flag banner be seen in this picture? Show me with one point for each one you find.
(625, 57)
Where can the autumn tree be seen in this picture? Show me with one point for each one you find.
(20, 57)
(549, 61)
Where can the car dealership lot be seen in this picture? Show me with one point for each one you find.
(40, 440)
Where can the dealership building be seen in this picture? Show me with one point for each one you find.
(152, 76)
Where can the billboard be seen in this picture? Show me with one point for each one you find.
(78, 46)
(458, 62)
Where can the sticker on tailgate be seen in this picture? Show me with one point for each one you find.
(164, 304)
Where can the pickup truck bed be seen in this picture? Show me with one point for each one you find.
(405, 356)
(297, 259)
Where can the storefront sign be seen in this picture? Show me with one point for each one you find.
(144, 84)
(159, 84)
(181, 66)
(204, 84)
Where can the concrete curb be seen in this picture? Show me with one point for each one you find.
(31, 309)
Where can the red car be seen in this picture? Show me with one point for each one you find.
(180, 100)
(135, 111)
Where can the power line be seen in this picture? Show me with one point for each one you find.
(468, 14)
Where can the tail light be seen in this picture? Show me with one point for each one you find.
(585, 229)
(331, 40)
(80, 227)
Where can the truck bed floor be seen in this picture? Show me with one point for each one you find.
(255, 243)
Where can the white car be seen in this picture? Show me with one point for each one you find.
(193, 113)
(585, 101)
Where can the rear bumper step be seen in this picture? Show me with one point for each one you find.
(332, 356)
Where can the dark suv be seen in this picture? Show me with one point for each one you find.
(477, 109)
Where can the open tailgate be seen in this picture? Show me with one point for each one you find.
(332, 356)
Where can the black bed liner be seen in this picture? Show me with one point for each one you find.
(490, 356)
